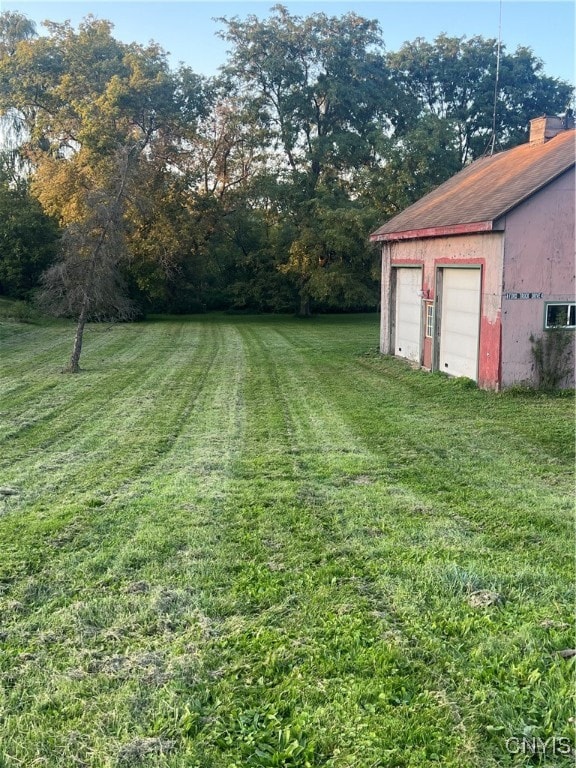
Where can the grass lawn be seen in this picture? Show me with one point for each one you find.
(255, 542)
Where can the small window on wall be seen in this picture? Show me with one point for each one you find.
(429, 319)
(560, 315)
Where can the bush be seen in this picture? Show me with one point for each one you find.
(19, 311)
(552, 357)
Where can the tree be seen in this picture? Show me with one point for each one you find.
(454, 79)
(100, 115)
(204, 211)
(171, 224)
(321, 91)
(14, 29)
(86, 282)
(251, 190)
(28, 240)
(414, 163)
(329, 258)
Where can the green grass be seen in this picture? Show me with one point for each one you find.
(255, 542)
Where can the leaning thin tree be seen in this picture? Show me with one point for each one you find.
(86, 281)
(100, 116)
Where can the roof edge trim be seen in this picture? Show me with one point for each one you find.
(536, 190)
(453, 229)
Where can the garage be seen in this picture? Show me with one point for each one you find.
(460, 322)
(408, 315)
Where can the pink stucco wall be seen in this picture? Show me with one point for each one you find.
(484, 250)
(539, 256)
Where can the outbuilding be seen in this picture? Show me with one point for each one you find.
(481, 268)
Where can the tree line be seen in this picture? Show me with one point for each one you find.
(127, 186)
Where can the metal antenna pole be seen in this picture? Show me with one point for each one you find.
(493, 142)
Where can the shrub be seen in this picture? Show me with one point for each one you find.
(552, 357)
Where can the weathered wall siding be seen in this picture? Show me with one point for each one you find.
(385, 301)
(483, 250)
(489, 357)
(538, 256)
(427, 351)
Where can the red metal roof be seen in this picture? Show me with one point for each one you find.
(476, 197)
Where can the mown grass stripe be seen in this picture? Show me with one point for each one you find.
(264, 550)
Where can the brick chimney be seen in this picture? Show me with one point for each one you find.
(544, 128)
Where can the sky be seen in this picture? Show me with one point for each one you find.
(187, 29)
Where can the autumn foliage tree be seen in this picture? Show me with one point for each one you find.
(99, 114)
(255, 189)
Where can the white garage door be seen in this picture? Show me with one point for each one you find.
(408, 313)
(460, 322)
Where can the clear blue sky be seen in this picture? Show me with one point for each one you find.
(186, 29)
